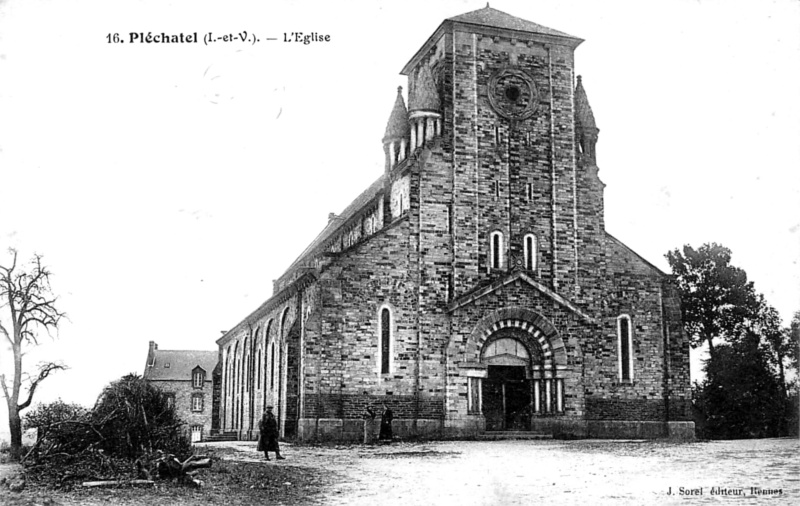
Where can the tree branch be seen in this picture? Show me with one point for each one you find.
(5, 333)
(44, 372)
(3, 385)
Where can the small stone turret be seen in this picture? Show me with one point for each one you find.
(424, 110)
(585, 128)
(395, 140)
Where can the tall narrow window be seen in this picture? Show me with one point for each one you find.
(529, 191)
(386, 334)
(474, 395)
(624, 346)
(450, 218)
(450, 287)
(496, 250)
(272, 367)
(529, 248)
(258, 368)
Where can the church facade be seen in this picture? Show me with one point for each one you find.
(472, 288)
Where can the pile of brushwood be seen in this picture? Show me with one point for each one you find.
(132, 435)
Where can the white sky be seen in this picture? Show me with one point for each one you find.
(168, 185)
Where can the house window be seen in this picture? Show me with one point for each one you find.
(624, 347)
(474, 396)
(197, 402)
(386, 340)
(170, 397)
(529, 247)
(198, 378)
(496, 250)
(529, 191)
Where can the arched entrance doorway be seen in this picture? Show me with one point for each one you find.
(522, 382)
(507, 390)
(507, 387)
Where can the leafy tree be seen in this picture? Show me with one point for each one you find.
(29, 308)
(716, 298)
(741, 397)
(779, 340)
(140, 419)
(794, 339)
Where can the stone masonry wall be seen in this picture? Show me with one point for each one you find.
(183, 392)
(632, 289)
(342, 347)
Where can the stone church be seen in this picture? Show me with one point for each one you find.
(472, 287)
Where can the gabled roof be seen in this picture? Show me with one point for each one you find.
(177, 365)
(498, 19)
(637, 255)
(469, 298)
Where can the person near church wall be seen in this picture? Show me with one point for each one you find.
(268, 435)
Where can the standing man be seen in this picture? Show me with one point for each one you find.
(268, 435)
(386, 424)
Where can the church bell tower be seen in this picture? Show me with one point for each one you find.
(504, 91)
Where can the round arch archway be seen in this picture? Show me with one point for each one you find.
(521, 351)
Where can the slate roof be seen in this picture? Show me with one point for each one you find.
(498, 19)
(336, 223)
(181, 364)
(583, 111)
(397, 126)
(425, 96)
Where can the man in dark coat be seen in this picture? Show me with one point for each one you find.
(386, 424)
(268, 435)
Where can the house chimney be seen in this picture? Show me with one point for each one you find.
(151, 354)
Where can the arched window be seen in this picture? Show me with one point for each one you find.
(284, 319)
(496, 260)
(267, 344)
(529, 247)
(245, 365)
(258, 369)
(272, 365)
(385, 336)
(624, 348)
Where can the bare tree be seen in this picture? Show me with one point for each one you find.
(28, 309)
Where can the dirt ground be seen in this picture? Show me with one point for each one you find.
(555, 472)
(501, 472)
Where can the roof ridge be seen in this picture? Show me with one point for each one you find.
(489, 16)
